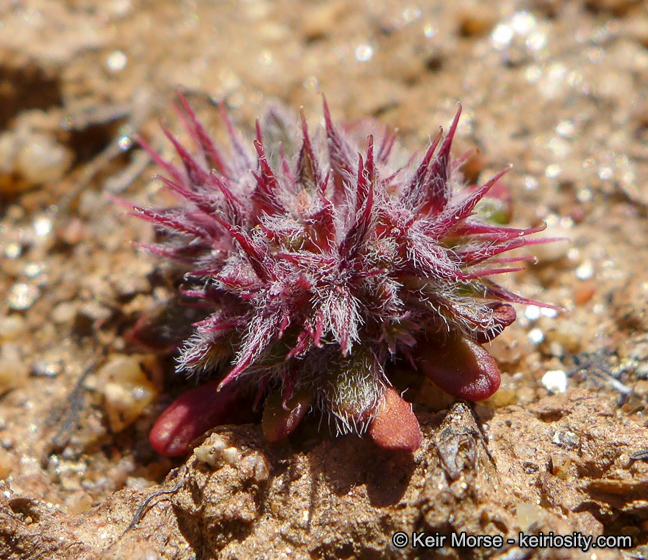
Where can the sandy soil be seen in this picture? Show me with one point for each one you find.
(558, 89)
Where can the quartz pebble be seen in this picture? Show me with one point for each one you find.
(216, 452)
(555, 381)
(42, 159)
(29, 158)
(560, 464)
(257, 464)
(211, 452)
(22, 296)
(126, 388)
(556, 250)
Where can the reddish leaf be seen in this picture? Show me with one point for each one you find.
(460, 367)
(395, 426)
(280, 420)
(191, 415)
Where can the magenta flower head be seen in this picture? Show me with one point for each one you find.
(318, 262)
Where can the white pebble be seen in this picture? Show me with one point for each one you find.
(256, 467)
(553, 250)
(536, 336)
(585, 271)
(231, 455)
(555, 381)
(532, 312)
(22, 296)
(213, 451)
(42, 159)
(261, 470)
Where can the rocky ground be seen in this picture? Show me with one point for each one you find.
(558, 89)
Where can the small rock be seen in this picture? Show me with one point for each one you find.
(13, 369)
(12, 327)
(555, 381)
(211, 451)
(506, 395)
(528, 514)
(566, 439)
(216, 452)
(126, 388)
(41, 159)
(560, 464)
(64, 312)
(78, 502)
(261, 469)
(477, 18)
(22, 296)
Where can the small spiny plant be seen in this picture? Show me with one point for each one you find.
(318, 263)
